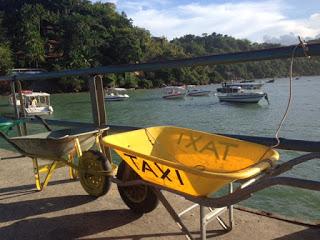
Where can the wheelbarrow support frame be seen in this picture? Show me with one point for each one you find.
(219, 205)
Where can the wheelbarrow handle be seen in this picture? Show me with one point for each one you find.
(43, 122)
(261, 182)
(5, 137)
(244, 193)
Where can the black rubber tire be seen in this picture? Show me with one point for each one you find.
(139, 198)
(94, 185)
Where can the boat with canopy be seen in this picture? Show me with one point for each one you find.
(32, 103)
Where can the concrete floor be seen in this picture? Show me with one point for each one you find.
(64, 211)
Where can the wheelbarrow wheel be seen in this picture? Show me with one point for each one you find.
(94, 161)
(139, 198)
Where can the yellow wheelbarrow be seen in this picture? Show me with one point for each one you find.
(195, 165)
(68, 147)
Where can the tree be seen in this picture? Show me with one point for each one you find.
(31, 34)
(6, 62)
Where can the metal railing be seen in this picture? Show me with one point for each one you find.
(228, 58)
(96, 86)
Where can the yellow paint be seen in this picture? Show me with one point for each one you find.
(36, 174)
(192, 162)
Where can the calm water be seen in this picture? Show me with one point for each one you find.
(147, 108)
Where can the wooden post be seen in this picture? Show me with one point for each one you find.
(22, 106)
(97, 100)
(16, 110)
(98, 106)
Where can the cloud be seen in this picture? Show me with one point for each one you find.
(256, 21)
(286, 39)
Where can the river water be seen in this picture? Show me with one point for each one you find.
(146, 108)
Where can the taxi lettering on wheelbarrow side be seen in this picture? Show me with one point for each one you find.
(159, 174)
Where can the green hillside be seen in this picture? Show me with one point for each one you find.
(69, 34)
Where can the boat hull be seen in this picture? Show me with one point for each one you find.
(174, 96)
(115, 98)
(32, 111)
(241, 98)
(198, 93)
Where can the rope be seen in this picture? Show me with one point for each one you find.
(305, 49)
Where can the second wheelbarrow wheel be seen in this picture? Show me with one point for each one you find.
(139, 198)
(93, 165)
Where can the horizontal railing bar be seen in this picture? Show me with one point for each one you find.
(245, 193)
(286, 144)
(228, 58)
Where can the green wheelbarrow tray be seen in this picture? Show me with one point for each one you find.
(6, 124)
(55, 144)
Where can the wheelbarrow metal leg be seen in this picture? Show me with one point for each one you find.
(230, 208)
(203, 223)
(48, 177)
(36, 173)
(173, 213)
(40, 186)
(188, 209)
(78, 147)
(45, 168)
(73, 170)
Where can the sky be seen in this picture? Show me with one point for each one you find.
(276, 21)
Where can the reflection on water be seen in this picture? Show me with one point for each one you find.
(147, 108)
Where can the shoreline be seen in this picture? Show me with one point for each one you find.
(199, 85)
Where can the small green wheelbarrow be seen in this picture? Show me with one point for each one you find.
(68, 147)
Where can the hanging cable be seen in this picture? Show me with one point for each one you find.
(302, 44)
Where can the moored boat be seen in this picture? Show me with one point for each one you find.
(196, 92)
(235, 93)
(174, 92)
(245, 85)
(32, 103)
(116, 94)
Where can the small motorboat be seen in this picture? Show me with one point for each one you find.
(116, 94)
(195, 92)
(174, 92)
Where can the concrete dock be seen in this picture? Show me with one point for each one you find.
(64, 211)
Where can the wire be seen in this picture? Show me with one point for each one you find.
(303, 45)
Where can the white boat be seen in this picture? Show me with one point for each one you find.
(245, 85)
(236, 93)
(174, 92)
(34, 103)
(116, 94)
(195, 92)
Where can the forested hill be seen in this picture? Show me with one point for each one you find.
(69, 34)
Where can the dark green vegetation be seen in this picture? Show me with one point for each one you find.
(68, 34)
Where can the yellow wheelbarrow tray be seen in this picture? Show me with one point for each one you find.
(195, 165)
(188, 161)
